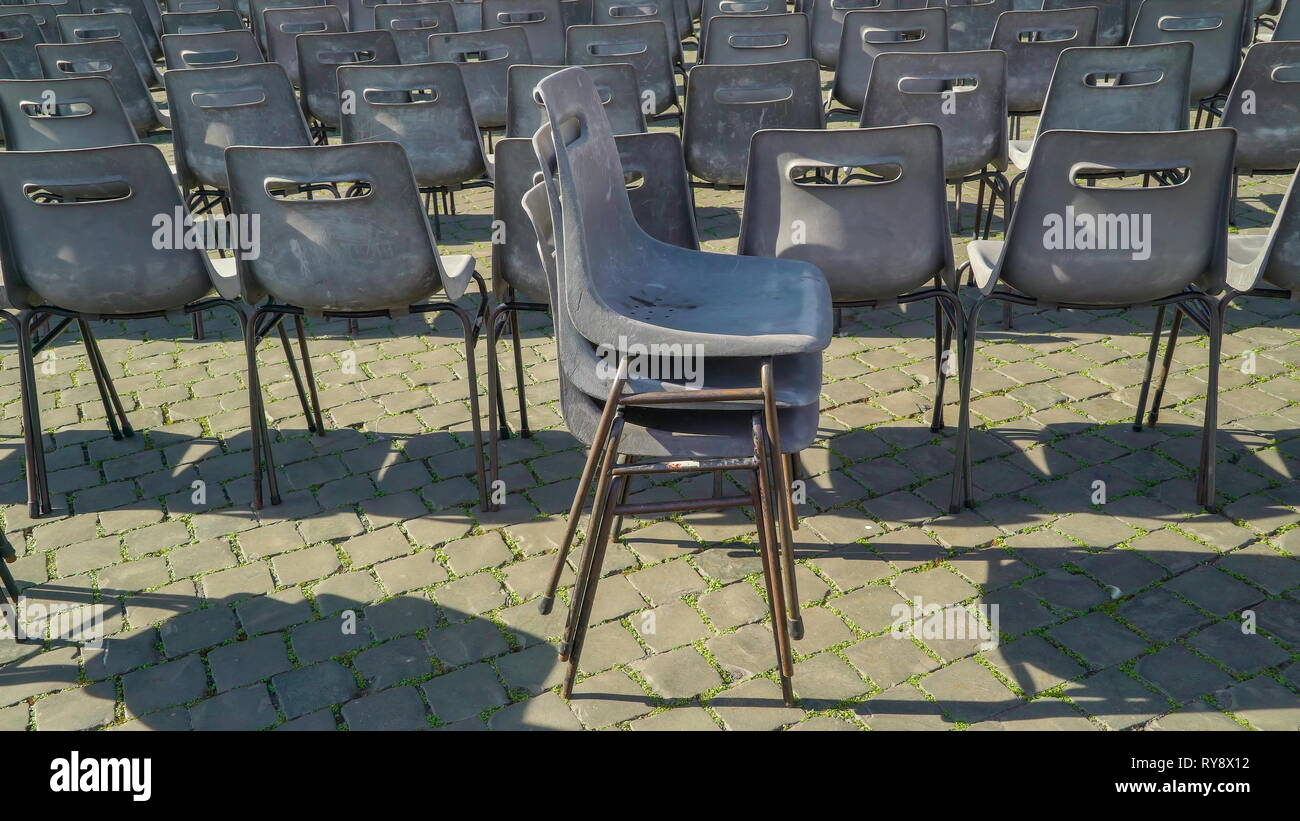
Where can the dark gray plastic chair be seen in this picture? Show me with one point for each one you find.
(146, 14)
(200, 22)
(1259, 265)
(867, 34)
(187, 6)
(321, 55)
(257, 8)
(586, 162)
(106, 58)
(318, 257)
(826, 21)
(971, 22)
(615, 82)
(469, 14)
(1288, 23)
(1264, 107)
(645, 45)
(1053, 259)
(360, 14)
(725, 105)
(412, 23)
(484, 58)
(965, 94)
(712, 9)
(1112, 17)
(65, 209)
(61, 114)
(44, 14)
(215, 108)
(215, 50)
(541, 20)
(1214, 27)
(576, 12)
(283, 27)
(888, 184)
(765, 38)
(1259, 8)
(661, 202)
(19, 36)
(425, 108)
(116, 25)
(1033, 40)
(620, 12)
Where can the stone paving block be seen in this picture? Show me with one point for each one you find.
(275, 611)
(688, 719)
(1161, 615)
(81, 708)
(754, 705)
(1195, 716)
(190, 560)
(747, 652)
(1228, 643)
(329, 637)
(248, 708)
(244, 662)
(197, 630)
(164, 685)
(402, 615)
(410, 572)
(606, 645)
(464, 693)
(237, 583)
(1263, 702)
(1051, 714)
(1215, 591)
(546, 712)
(532, 670)
(1280, 618)
(968, 692)
(306, 689)
(397, 709)
(305, 565)
(733, 605)
(669, 626)
(1116, 699)
(476, 552)
(470, 595)
(1181, 674)
(825, 680)
(608, 698)
(346, 591)
(667, 581)
(386, 543)
(122, 652)
(1099, 639)
(902, 707)
(461, 644)
(680, 673)
(319, 721)
(393, 662)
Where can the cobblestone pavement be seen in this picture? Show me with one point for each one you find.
(378, 596)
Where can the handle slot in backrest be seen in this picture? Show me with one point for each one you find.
(229, 97)
(637, 10)
(410, 23)
(624, 48)
(211, 57)
(1198, 23)
(743, 6)
(423, 95)
(873, 35)
(938, 84)
(754, 96)
(1109, 178)
(521, 18)
(46, 110)
(289, 188)
(1040, 36)
(1130, 78)
(480, 55)
(94, 65)
(813, 174)
(98, 33)
(296, 27)
(775, 40)
(85, 192)
(10, 35)
(1285, 74)
(331, 58)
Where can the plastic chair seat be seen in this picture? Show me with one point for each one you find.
(983, 255)
(1020, 152)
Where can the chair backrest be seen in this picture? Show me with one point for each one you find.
(54, 115)
(971, 22)
(1112, 18)
(425, 108)
(645, 45)
(19, 36)
(1213, 26)
(484, 59)
(850, 226)
(615, 82)
(469, 14)
(219, 48)
(88, 28)
(766, 38)
(1147, 90)
(963, 92)
(187, 6)
(867, 34)
(608, 12)
(145, 13)
(725, 105)
(1281, 265)
(102, 244)
(827, 24)
(576, 12)
(1288, 23)
(541, 20)
(369, 252)
(44, 14)
(712, 9)
(110, 59)
(319, 58)
(1264, 107)
(360, 14)
(214, 108)
(412, 23)
(1069, 242)
(200, 22)
(258, 7)
(659, 191)
(1033, 40)
(283, 27)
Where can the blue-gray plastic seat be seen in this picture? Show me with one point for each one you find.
(1288, 23)
(541, 20)
(971, 22)
(214, 50)
(146, 13)
(110, 59)
(645, 45)
(283, 27)
(115, 25)
(615, 82)
(1071, 245)
(868, 34)
(200, 22)
(61, 114)
(761, 38)
(1033, 40)
(726, 105)
(623, 12)
(1112, 18)
(826, 24)
(44, 15)
(369, 254)
(412, 23)
(713, 9)
(19, 36)
(1264, 107)
(1214, 27)
(258, 9)
(319, 59)
(484, 58)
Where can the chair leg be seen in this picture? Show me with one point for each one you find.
(7, 557)
(961, 481)
(197, 320)
(781, 499)
(594, 453)
(1209, 452)
(979, 206)
(30, 442)
(495, 402)
(107, 393)
(1159, 396)
(944, 328)
(1151, 366)
(297, 377)
(38, 488)
(622, 499)
(309, 375)
(792, 465)
(765, 511)
(1232, 204)
(498, 328)
(469, 323)
(519, 375)
(263, 467)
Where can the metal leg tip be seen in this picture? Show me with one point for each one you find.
(545, 604)
(796, 629)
